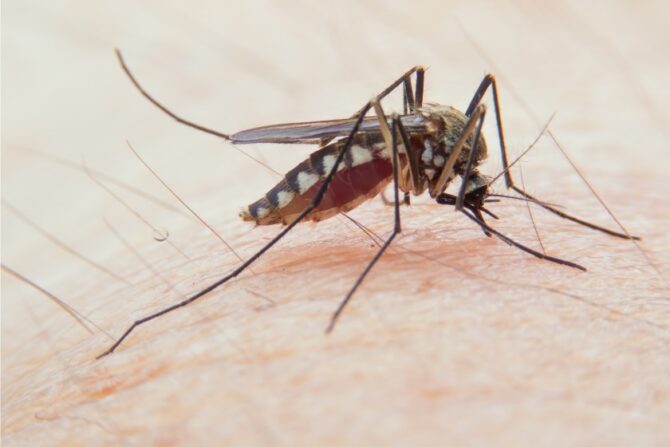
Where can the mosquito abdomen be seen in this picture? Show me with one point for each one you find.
(363, 173)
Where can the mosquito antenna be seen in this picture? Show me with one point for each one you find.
(74, 313)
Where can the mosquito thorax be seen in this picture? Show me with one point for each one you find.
(448, 126)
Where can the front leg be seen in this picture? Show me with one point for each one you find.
(396, 222)
(490, 81)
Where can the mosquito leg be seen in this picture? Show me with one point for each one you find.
(448, 199)
(520, 246)
(408, 104)
(410, 101)
(415, 100)
(474, 152)
(573, 218)
(314, 204)
(490, 81)
(162, 107)
(412, 157)
(412, 160)
(408, 97)
(394, 233)
(418, 98)
(401, 80)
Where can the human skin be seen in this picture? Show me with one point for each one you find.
(453, 338)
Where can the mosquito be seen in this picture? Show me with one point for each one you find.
(424, 149)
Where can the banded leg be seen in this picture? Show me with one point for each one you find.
(490, 81)
(396, 225)
(313, 205)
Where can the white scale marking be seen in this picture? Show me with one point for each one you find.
(306, 181)
(360, 155)
(328, 162)
(284, 198)
(261, 212)
(427, 154)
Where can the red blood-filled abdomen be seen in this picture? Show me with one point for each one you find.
(349, 188)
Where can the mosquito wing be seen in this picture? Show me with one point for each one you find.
(315, 131)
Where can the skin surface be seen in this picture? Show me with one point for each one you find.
(454, 338)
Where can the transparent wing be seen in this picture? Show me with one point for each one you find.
(315, 131)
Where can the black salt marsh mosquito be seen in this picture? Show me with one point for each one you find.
(424, 149)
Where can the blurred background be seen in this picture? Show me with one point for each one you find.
(67, 108)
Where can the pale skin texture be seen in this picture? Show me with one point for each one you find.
(453, 338)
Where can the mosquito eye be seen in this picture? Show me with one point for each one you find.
(475, 184)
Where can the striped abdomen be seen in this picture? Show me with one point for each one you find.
(364, 172)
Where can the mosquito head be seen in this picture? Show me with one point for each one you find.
(476, 193)
(477, 189)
